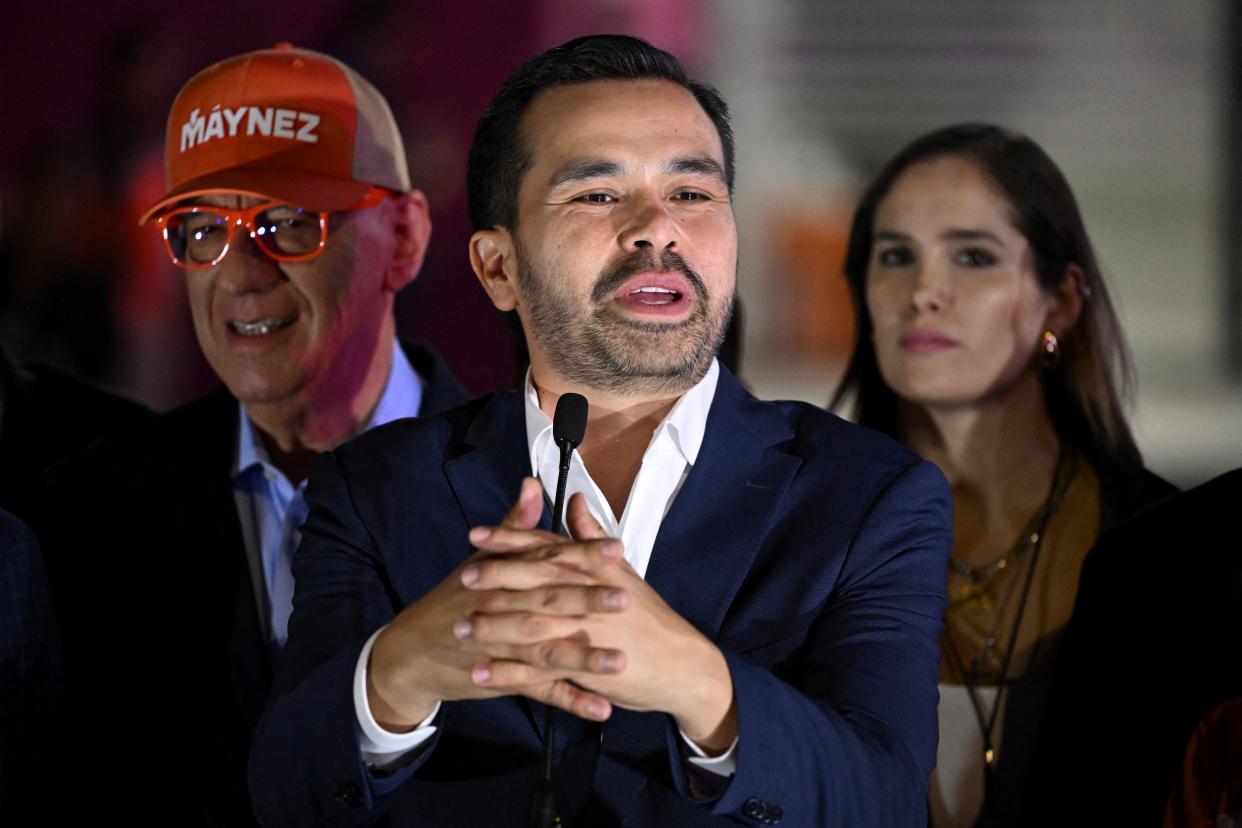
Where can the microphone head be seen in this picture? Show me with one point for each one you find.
(569, 421)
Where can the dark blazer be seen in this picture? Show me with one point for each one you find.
(32, 682)
(1155, 642)
(812, 551)
(167, 658)
(46, 415)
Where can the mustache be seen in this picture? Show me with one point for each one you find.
(641, 261)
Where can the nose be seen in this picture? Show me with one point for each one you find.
(246, 268)
(933, 287)
(648, 224)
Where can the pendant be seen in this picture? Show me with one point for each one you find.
(976, 598)
(985, 666)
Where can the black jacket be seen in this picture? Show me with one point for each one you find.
(1155, 642)
(166, 655)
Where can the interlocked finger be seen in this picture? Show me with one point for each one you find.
(519, 628)
(516, 677)
(506, 538)
(563, 656)
(543, 565)
(572, 565)
(559, 599)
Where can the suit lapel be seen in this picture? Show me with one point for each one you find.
(711, 535)
(208, 514)
(440, 388)
(702, 554)
(486, 478)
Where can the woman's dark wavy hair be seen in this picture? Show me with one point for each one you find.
(1085, 389)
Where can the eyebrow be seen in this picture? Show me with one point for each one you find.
(952, 234)
(591, 168)
(584, 171)
(696, 165)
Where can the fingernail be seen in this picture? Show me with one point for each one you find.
(614, 599)
(470, 575)
(480, 675)
(613, 549)
(608, 661)
(598, 709)
(462, 629)
(479, 534)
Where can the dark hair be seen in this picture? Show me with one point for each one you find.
(499, 156)
(1085, 388)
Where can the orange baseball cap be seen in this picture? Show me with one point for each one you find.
(287, 124)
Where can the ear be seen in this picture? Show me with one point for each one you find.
(412, 230)
(1066, 304)
(494, 259)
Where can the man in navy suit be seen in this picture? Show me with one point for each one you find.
(742, 625)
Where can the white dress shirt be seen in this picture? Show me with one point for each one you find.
(670, 455)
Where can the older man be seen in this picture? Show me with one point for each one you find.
(291, 213)
(743, 625)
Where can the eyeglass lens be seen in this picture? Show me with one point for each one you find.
(200, 236)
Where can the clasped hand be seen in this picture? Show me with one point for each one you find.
(564, 621)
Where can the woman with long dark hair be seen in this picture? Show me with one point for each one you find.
(986, 341)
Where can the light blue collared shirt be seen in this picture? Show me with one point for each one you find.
(272, 510)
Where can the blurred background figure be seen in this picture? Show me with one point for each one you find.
(987, 342)
(1144, 717)
(32, 682)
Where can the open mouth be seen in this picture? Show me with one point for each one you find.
(260, 327)
(653, 296)
(656, 293)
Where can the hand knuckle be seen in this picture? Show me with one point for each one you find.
(548, 652)
(533, 626)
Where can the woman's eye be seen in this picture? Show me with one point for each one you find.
(894, 257)
(975, 257)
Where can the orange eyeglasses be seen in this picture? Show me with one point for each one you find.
(199, 235)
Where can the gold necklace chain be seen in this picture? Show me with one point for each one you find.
(991, 661)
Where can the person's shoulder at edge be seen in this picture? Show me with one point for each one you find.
(1204, 508)
(186, 427)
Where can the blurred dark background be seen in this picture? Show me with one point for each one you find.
(1139, 104)
(85, 92)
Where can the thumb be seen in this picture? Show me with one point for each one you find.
(528, 509)
(582, 524)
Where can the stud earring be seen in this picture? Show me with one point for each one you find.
(1051, 347)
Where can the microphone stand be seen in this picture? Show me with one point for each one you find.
(568, 428)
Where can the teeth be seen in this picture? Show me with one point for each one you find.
(654, 290)
(259, 327)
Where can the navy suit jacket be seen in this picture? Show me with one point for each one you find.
(168, 661)
(813, 552)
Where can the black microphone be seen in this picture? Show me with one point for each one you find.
(568, 428)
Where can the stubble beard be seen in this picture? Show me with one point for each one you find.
(601, 349)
